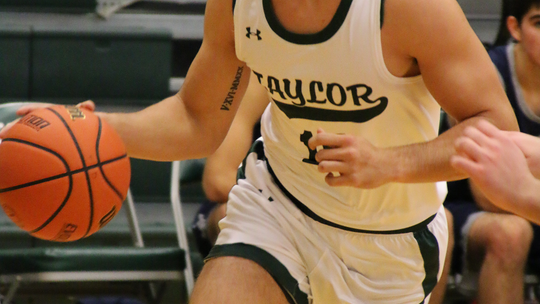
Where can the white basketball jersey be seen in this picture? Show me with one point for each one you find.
(337, 80)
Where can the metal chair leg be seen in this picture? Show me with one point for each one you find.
(11, 292)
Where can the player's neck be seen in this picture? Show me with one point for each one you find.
(305, 16)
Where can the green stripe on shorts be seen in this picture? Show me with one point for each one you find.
(256, 147)
(281, 275)
(429, 248)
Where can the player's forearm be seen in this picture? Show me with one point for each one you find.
(421, 163)
(428, 161)
(482, 201)
(163, 131)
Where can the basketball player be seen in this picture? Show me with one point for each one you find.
(342, 202)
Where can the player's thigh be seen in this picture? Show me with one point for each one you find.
(236, 280)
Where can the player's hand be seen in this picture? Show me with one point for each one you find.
(493, 161)
(32, 106)
(347, 160)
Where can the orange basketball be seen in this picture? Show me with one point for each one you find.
(64, 173)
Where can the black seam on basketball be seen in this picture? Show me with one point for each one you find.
(68, 195)
(81, 156)
(22, 141)
(101, 167)
(70, 188)
(67, 174)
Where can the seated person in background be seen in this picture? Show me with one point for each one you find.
(220, 168)
(494, 247)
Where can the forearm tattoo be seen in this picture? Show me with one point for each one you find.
(232, 91)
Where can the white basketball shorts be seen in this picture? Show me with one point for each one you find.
(317, 263)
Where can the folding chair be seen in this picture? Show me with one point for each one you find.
(109, 264)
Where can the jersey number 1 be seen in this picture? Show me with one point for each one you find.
(304, 138)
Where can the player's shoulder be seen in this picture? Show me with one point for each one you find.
(421, 11)
(423, 19)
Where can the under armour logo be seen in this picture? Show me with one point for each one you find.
(249, 33)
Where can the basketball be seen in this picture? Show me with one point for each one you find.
(64, 173)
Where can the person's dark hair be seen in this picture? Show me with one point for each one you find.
(519, 8)
(516, 8)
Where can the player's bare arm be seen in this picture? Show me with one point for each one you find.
(434, 39)
(194, 122)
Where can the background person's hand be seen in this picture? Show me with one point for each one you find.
(530, 146)
(494, 162)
